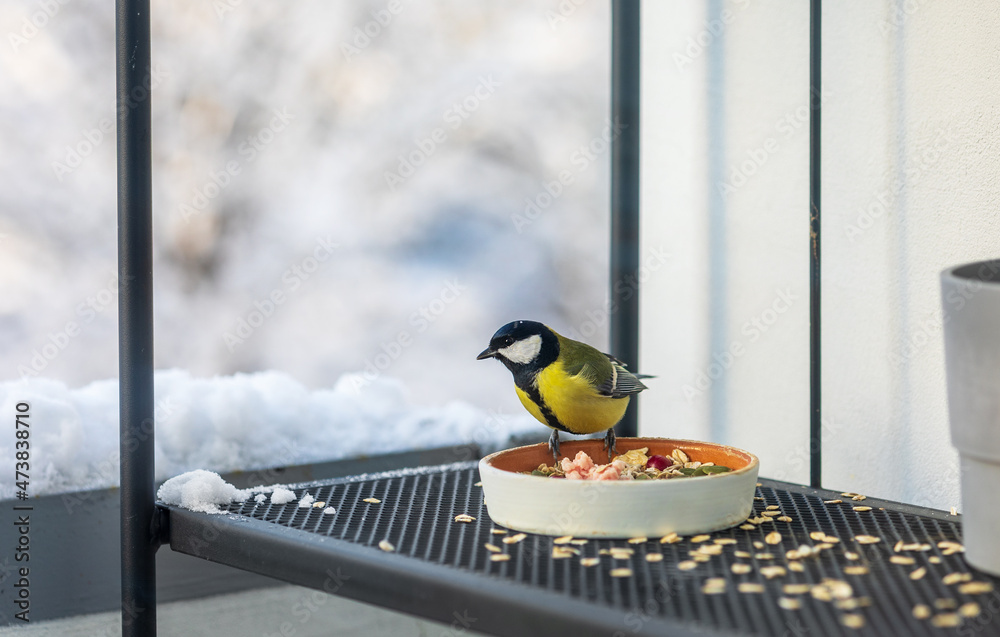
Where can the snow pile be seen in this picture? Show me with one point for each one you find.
(282, 496)
(200, 490)
(240, 422)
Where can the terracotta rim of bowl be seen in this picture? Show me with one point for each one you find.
(519, 459)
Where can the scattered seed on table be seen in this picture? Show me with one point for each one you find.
(918, 573)
(701, 558)
(590, 561)
(852, 620)
(620, 572)
(386, 546)
(714, 586)
(833, 501)
(867, 539)
(771, 514)
(953, 511)
(757, 544)
(566, 539)
(817, 535)
(725, 540)
(710, 549)
(700, 538)
(638, 540)
(797, 567)
(687, 565)
(654, 557)
(921, 611)
(770, 572)
(784, 518)
(478, 484)
(750, 587)
(772, 507)
(514, 539)
(902, 559)
(859, 497)
(493, 548)
(747, 527)
(670, 538)
(856, 569)
(743, 554)
(848, 494)
(789, 603)
(498, 531)
(934, 559)
(561, 553)
(740, 568)
(948, 548)
(500, 557)
(773, 537)
(975, 588)
(464, 517)
(955, 578)
(945, 603)
(319, 504)
(763, 556)
(946, 620)
(851, 555)
(372, 501)
(758, 498)
(862, 510)
(796, 589)
(970, 609)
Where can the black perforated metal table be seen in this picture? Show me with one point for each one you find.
(441, 569)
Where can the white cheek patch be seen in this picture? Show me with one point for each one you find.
(523, 351)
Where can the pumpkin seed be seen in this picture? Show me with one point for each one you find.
(975, 588)
(750, 587)
(852, 620)
(946, 620)
(970, 609)
(687, 565)
(620, 572)
(654, 557)
(740, 568)
(500, 557)
(386, 546)
(773, 537)
(590, 561)
(670, 538)
(918, 573)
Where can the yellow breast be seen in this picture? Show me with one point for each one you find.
(574, 402)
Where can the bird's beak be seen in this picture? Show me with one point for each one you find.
(489, 352)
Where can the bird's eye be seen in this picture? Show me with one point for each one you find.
(508, 340)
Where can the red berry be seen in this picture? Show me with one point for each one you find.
(659, 463)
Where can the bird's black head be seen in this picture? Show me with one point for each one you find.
(523, 345)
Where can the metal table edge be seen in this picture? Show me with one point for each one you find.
(437, 592)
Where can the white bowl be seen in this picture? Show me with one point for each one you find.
(618, 508)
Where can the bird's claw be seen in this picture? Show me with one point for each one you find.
(609, 443)
(554, 444)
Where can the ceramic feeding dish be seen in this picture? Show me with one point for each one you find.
(618, 508)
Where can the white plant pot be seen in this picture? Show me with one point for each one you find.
(970, 297)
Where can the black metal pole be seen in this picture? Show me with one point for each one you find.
(135, 319)
(815, 366)
(625, 191)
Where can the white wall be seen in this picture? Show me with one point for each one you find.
(911, 152)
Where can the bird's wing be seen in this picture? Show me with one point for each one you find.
(621, 383)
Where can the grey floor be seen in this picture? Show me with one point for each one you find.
(284, 611)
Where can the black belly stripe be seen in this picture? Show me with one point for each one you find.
(550, 418)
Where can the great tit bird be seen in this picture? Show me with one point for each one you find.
(567, 385)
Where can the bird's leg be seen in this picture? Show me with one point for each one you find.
(609, 443)
(554, 443)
